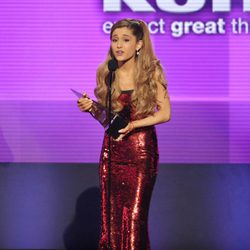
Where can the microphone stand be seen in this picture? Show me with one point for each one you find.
(109, 159)
(112, 65)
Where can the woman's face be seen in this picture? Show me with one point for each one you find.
(123, 44)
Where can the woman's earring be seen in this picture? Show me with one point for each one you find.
(137, 52)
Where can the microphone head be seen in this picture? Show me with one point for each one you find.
(112, 65)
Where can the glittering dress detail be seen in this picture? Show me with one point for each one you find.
(134, 167)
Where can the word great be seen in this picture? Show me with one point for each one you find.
(211, 27)
(171, 5)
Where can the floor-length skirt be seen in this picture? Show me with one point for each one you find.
(134, 168)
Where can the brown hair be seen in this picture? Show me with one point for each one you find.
(148, 71)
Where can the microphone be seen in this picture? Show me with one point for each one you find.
(112, 65)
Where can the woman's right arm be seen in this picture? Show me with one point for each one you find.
(84, 103)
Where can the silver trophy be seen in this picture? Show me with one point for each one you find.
(101, 114)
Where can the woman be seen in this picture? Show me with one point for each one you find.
(138, 91)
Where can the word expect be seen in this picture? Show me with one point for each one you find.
(154, 27)
(171, 5)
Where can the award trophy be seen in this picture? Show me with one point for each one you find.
(100, 113)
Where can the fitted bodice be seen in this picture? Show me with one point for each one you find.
(125, 99)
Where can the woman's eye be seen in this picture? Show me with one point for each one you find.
(115, 40)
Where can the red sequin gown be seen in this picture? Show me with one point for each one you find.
(134, 167)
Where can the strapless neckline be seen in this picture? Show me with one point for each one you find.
(128, 90)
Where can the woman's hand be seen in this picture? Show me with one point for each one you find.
(84, 103)
(125, 131)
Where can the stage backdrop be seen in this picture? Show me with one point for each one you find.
(48, 47)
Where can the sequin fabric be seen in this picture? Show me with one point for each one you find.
(134, 168)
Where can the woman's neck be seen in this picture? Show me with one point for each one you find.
(127, 67)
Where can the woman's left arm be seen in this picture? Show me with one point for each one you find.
(163, 113)
(164, 110)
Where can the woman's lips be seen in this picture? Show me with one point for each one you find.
(119, 53)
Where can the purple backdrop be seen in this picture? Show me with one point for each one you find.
(48, 47)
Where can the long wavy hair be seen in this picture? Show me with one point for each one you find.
(148, 71)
